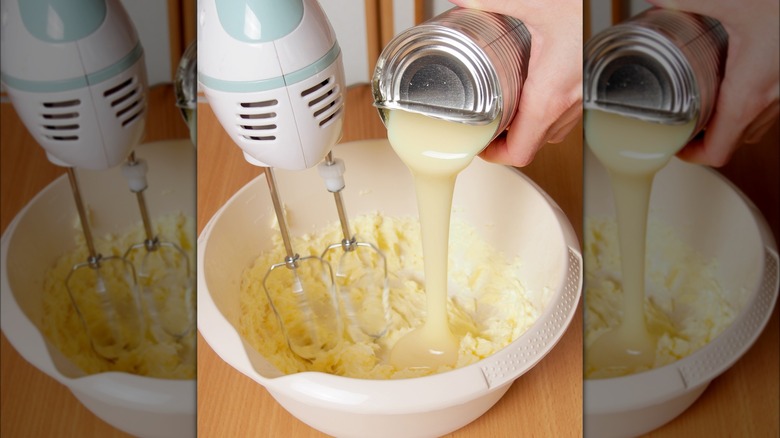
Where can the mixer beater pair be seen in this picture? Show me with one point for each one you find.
(151, 280)
(357, 293)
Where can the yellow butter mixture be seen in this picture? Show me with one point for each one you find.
(683, 299)
(157, 353)
(488, 304)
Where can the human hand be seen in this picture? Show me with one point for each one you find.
(747, 102)
(551, 101)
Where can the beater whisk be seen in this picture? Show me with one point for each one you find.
(104, 293)
(163, 267)
(309, 315)
(361, 270)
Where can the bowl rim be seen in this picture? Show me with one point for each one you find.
(379, 396)
(618, 394)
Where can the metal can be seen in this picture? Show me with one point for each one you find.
(661, 65)
(464, 65)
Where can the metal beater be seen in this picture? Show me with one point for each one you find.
(115, 321)
(365, 296)
(163, 267)
(309, 317)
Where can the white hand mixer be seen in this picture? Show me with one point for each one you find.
(273, 75)
(75, 74)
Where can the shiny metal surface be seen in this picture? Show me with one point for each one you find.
(661, 65)
(464, 65)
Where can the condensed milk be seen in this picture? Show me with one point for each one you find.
(435, 151)
(632, 151)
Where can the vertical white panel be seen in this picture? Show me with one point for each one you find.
(638, 6)
(439, 6)
(150, 18)
(600, 15)
(348, 19)
(403, 15)
(601, 12)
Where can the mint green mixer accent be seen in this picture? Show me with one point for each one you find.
(76, 82)
(123, 64)
(272, 83)
(315, 67)
(62, 21)
(241, 86)
(259, 21)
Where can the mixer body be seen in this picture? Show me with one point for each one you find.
(76, 77)
(273, 75)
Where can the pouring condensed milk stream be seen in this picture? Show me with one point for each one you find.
(650, 85)
(444, 89)
(633, 151)
(435, 151)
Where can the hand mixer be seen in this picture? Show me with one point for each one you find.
(273, 75)
(76, 78)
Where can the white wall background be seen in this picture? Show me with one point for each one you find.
(348, 18)
(601, 13)
(150, 18)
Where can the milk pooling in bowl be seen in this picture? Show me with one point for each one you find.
(632, 151)
(435, 151)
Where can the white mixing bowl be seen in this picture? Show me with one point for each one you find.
(510, 212)
(716, 219)
(42, 232)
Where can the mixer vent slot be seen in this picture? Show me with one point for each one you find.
(127, 100)
(61, 120)
(62, 104)
(325, 100)
(259, 120)
(60, 116)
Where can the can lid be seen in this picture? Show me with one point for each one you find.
(433, 70)
(637, 72)
(662, 66)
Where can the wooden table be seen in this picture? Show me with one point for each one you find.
(544, 402)
(547, 401)
(31, 403)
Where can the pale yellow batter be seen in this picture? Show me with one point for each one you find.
(157, 355)
(487, 305)
(683, 297)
